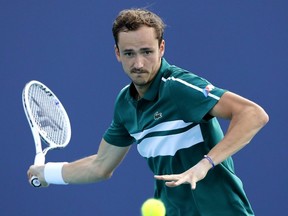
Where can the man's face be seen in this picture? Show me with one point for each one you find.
(140, 55)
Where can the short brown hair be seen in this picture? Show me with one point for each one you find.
(133, 19)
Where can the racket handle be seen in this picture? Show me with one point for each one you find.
(34, 181)
(38, 160)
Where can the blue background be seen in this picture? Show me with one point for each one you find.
(238, 45)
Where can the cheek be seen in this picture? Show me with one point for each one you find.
(127, 64)
(125, 67)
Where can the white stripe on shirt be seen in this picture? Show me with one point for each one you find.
(168, 145)
(165, 126)
(190, 85)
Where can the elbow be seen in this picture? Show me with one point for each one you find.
(263, 118)
(257, 119)
(260, 116)
(99, 174)
(107, 175)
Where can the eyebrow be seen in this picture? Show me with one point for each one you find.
(146, 49)
(128, 50)
(141, 49)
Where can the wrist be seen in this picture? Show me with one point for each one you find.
(53, 173)
(211, 162)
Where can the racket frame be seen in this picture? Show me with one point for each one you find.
(38, 134)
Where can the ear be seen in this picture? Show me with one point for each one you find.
(162, 48)
(117, 53)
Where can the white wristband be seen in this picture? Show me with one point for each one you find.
(53, 173)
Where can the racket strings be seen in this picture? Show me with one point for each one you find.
(48, 115)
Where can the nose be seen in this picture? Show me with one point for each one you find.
(138, 63)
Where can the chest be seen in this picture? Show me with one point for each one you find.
(148, 114)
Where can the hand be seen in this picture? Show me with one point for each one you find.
(37, 171)
(191, 176)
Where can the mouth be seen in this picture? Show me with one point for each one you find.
(138, 71)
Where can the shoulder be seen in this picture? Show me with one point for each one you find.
(176, 76)
(182, 83)
(122, 94)
(122, 100)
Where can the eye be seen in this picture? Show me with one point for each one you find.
(147, 52)
(129, 54)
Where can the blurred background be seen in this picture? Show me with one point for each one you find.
(237, 45)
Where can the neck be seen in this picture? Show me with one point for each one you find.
(141, 90)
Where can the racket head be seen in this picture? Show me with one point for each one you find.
(46, 114)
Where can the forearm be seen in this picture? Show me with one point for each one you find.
(86, 170)
(95, 168)
(246, 119)
(243, 127)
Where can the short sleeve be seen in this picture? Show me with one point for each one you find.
(117, 134)
(195, 96)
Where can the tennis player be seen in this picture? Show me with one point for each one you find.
(171, 114)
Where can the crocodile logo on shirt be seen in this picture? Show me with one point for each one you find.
(157, 115)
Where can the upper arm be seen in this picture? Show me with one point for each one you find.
(231, 104)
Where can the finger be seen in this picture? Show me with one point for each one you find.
(29, 174)
(193, 185)
(44, 184)
(170, 184)
(160, 177)
(167, 177)
(176, 183)
(181, 181)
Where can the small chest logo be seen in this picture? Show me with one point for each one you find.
(207, 89)
(157, 115)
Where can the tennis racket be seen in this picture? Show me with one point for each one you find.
(48, 120)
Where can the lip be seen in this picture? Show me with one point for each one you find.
(139, 72)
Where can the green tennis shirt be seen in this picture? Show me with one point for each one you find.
(173, 131)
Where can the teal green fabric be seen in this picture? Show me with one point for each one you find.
(173, 130)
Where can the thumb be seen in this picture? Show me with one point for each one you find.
(193, 185)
